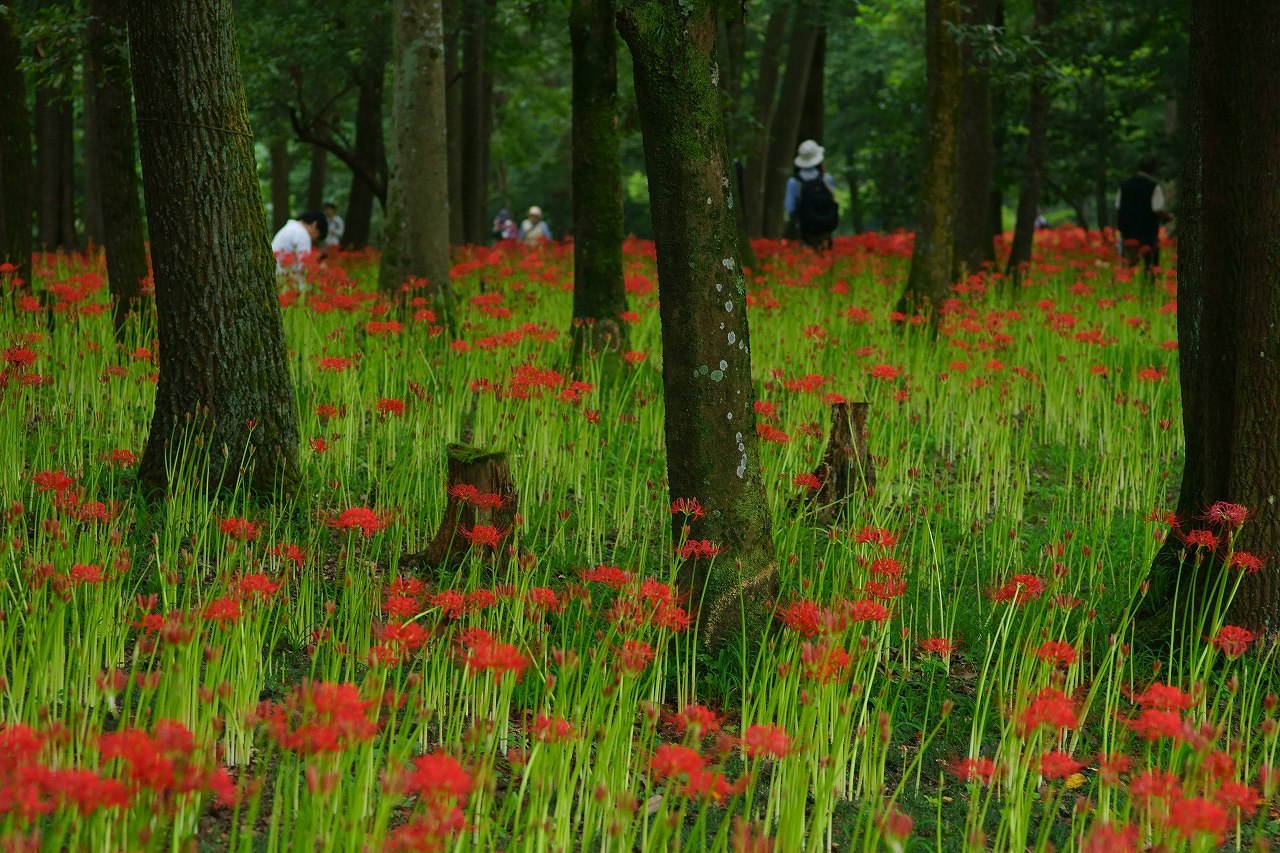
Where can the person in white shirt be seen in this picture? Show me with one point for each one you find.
(293, 242)
(337, 226)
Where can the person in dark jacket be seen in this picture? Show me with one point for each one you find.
(1140, 212)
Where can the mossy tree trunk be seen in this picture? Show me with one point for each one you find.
(930, 280)
(223, 368)
(116, 152)
(16, 176)
(1024, 229)
(710, 424)
(599, 296)
(416, 243)
(975, 156)
(1229, 294)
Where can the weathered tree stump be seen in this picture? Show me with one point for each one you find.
(482, 495)
(846, 464)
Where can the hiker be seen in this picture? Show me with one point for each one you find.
(533, 231)
(504, 227)
(336, 225)
(811, 205)
(294, 241)
(1139, 214)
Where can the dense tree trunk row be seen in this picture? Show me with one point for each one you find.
(16, 179)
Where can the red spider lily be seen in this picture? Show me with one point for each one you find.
(973, 769)
(402, 607)
(877, 536)
(697, 721)
(240, 529)
(698, 549)
(406, 586)
(390, 407)
(224, 611)
(1238, 796)
(765, 409)
(362, 518)
(1111, 767)
(885, 567)
(808, 481)
(1231, 516)
(634, 356)
(770, 433)
(20, 357)
(1246, 562)
(397, 642)
(1020, 589)
(610, 576)
(377, 328)
(334, 364)
(689, 507)
(940, 646)
(1153, 724)
(824, 662)
(885, 372)
(1057, 764)
(321, 717)
(552, 729)
(896, 826)
(634, 656)
(256, 587)
(1232, 640)
(121, 457)
(1057, 652)
(1194, 816)
(764, 740)
(487, 654)
(1050, 707)
(1108, 837)
(544, 598)
(164, 761)
(481, 535)
(1164, 697)
(441, 786)
(53, 481)
(318, 444)
(886, 590)
(805, 618)
(866, 611)
(1200, 538)
(84, 573)
(290, 552)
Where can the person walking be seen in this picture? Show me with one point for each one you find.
(294, 241)
(1140, 212)
(337, 226)
(533, 231)
(810, 202)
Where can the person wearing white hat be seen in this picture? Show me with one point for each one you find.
(810, 202)
(533, 230)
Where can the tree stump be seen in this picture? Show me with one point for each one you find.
(846, 464)
(481, 493)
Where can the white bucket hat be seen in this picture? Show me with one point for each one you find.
(535, 211)
(809, 154)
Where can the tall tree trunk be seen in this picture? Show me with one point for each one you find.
(55, 127)
(762, 119)
(855, 204)
(975, 153)
(92, 207)
(731, 45)
(706, 377)
(813, 115)
(316, 176)
(1037, 150)
(784, 131)
(453, 119)
(115, 157)
(369, 150)
(417, 234)
(1229, 295)
(16, 175)
(281, 207)
(599, 297)
(931, 258)
(223, 368)
(999, 130)
(477, 107)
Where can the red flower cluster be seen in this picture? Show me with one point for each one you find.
(687, 768)
(360, 518)
(321, 717)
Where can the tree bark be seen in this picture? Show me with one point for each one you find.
(1229, 296)
(599, 295)
(488, 473)
(1037, 150)
(92, 206)
(369, 151)
(416, 243)
(846, 467)
(975, 155)
(767, 82)
(281, 207)
(930, 280)
(812, 116)
(453, 119)
(55, 129)
(115, 155)
(16, 176)
(224, 398)
(477, 109)
(316, 176)
(710, 425)
(784, 131)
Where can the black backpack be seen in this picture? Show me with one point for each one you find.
(817, 211)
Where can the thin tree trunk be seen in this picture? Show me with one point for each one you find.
(369, 150)
(1037, 150)
(223, 368)
(762, 118)
(813, 115)
(1229, 298)
(281, 207)
(855, 203)
(975, 152)
(784, 131)
(53, 126)
(67, 237)
(999, 131)
(477, 105)
(92, 207)
(1103, 200)
(453, 120)
(710, 424)
(931, 258)
(599, 296)
(116, 157)
(316, 176)
(16, 175)
(417, 235)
